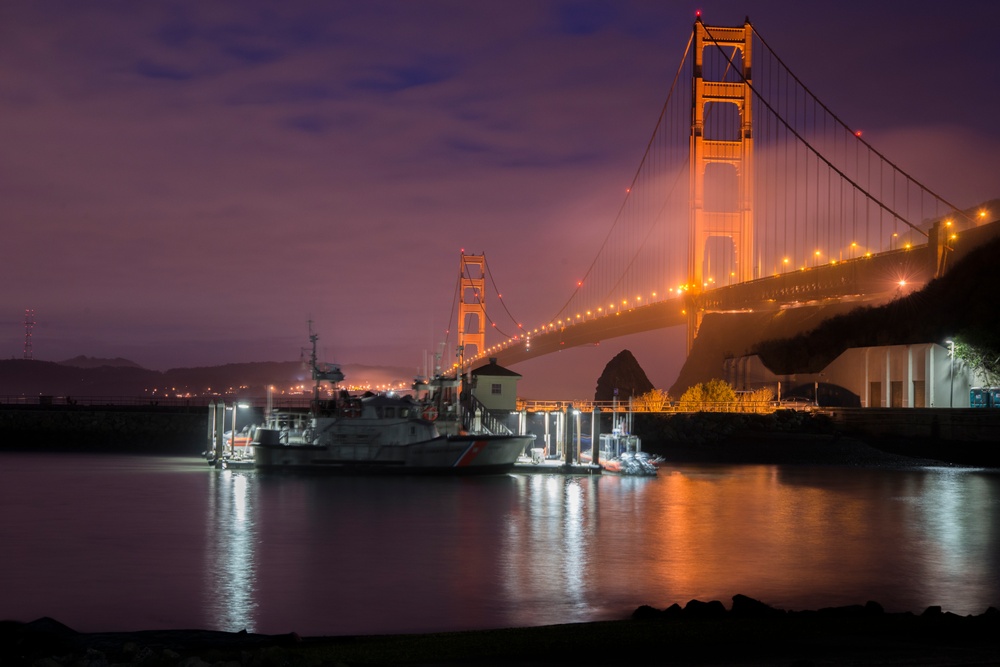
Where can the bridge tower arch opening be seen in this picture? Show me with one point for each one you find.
(472, 306)
(721, 160)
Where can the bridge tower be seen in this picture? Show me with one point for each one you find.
(729, 214)
(472, 301)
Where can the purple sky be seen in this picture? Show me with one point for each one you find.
(187, 183)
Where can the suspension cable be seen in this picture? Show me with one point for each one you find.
(848, 128)
(635, 177)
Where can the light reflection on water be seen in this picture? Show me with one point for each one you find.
(230, 596)
(134, 543)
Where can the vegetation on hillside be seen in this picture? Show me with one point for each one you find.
(962, 306)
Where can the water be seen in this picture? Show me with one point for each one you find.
(128, 543)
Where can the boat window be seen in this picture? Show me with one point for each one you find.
(404, 412)
(390, 412)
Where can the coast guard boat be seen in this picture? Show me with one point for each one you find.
(376, 433)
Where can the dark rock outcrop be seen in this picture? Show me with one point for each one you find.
(624, 375)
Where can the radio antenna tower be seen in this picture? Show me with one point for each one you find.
(29, 324)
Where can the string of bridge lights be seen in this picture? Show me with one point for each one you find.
(855, 252)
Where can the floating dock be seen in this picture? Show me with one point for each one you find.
(555, 467)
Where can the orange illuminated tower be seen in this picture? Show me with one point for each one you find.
(725, 147)
(472, 301)
(29, 325)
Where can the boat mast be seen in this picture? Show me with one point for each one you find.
(315, 369)
(330, 372)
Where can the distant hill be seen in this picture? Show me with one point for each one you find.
(85, 376)
(95, 362)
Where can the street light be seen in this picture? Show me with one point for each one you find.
(951, 373)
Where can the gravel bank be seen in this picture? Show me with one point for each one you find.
(701, 633)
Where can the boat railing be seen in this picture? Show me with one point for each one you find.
(488, 422)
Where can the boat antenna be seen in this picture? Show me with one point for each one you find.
(313, 365)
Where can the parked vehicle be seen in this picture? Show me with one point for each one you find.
(797, 403)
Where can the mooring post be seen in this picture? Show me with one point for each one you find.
(595, 436)
(210, 445)
(220, 430)
(567, 435)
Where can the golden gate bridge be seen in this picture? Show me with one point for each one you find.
(751, 194)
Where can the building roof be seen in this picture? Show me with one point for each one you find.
(493, 370)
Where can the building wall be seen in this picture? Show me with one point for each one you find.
(505, 400)
(902, 376)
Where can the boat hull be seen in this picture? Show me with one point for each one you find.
(446, 455)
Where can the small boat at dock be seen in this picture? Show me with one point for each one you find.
(621, 454)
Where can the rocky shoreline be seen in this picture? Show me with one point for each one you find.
(702, 633)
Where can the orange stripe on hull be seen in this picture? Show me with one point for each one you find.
(471, 453)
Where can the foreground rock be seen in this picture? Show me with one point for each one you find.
(703, 633)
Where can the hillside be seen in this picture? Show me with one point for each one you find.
(962, 304)
(19, 377)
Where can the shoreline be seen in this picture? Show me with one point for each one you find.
(703, 633)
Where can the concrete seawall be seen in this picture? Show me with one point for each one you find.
(126, 429)
(961, 425)
(962, 436)
(153, 429)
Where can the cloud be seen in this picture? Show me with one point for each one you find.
(217, 172)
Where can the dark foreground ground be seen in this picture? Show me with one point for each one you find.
(699, 634)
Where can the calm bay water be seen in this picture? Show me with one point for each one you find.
(128, 543)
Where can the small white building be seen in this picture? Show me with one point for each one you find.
(892, 376)
(495, 386)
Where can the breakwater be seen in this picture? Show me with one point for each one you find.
(960, 436)
(954, 435)
(127, 429)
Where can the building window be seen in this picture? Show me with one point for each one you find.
(496, 389)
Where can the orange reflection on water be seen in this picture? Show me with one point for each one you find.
(745, 531)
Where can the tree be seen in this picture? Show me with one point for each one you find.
(758, 400)
(654, 400)
(983, 361)
(714, 395)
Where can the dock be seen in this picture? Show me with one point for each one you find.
(525, 465)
